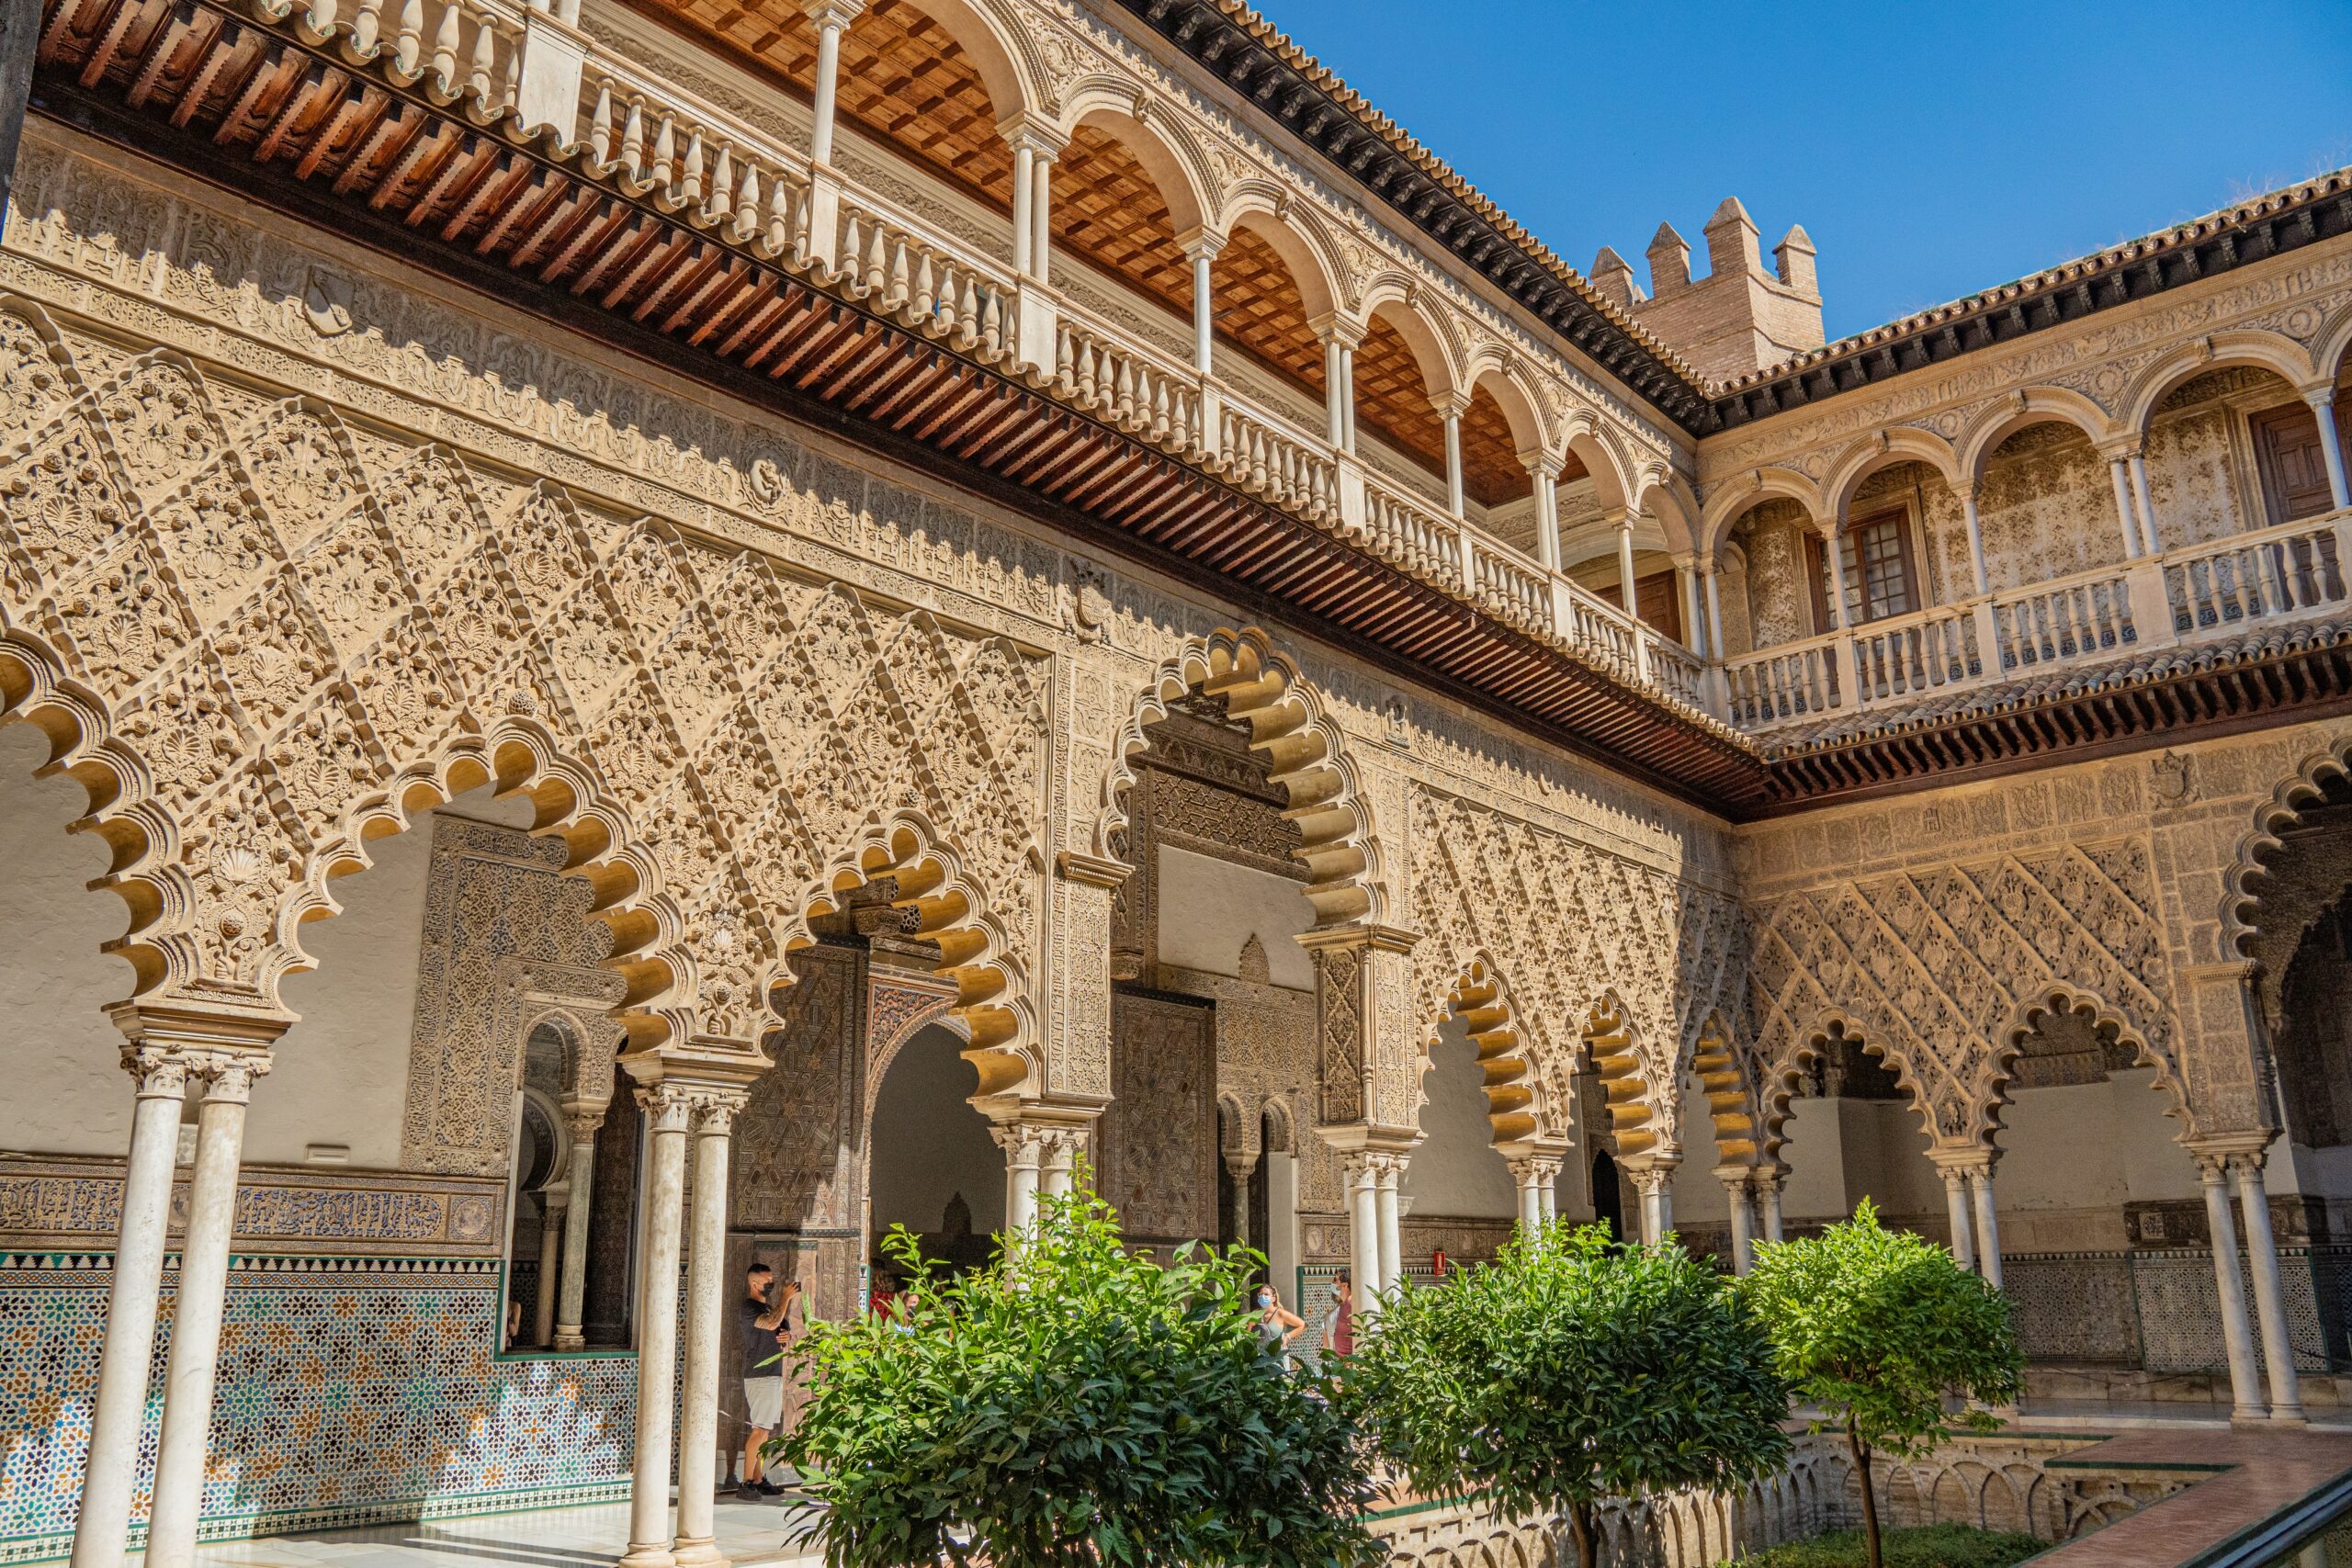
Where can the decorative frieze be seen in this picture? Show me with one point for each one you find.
(59, 1201)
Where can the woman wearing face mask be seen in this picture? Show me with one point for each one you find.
(1277, 1324)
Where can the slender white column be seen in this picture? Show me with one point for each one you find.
(1694, 620)
(714, 1118)
(667, 1108)
(1025, 195)
(1546, 470)
(1021, 1154)
(1528, 1178)
(1988, 1234)
(1348, 396)
(1041, 209)
(2331, 446)
(1975, 541)
(1963, 1232)
(1714, 609)
(1665, 1202)
(1058, 1163)
(1203, 251)
(1767, 1192)
(830, 16)
(1625, 561)
(2120, 472)
(1657, 1209)
(1452, 412)
(1335, 391)
(1837, 558)
(2237, 1337)
(1363, 1234)
(571, 1295)
(121, 1399)
(2269, 1296)
(1391, 1173)
(2139, 466)
(553, 1206)
(1743, 1222)
(1548, 1194)
(196, 1319)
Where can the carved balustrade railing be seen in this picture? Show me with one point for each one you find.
(530, 71)
(2197, 594)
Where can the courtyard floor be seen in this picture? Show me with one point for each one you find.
(752, 1534)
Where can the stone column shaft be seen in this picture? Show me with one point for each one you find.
(1743, 1224)
(1988, 1233)
(571, 1293)
(1963, 1230)
(2237, 1336)
(657, 1331)
(714, 1118)
(1767, 1194)
(2145, 507)
(195, 1320)
(2331, 447)
(1363, 1236)
(553, 1207)
(2120, 473)
(2269, 1294)
(1392, 1247)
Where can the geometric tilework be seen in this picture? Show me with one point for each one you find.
(349, 1391)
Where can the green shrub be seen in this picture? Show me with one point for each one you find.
(1074, 1405)
(1567, 1372)
(1927, 1546)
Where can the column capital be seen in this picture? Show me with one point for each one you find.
(832, 12)
(1651, 1181)
(1535, 1170)
(2118, 448)
(1331, 326)
(1961, 1164)
(1092, 871)
(1032, 134)
(1542, 465)
(1359, 934)
(1200, 243)
(2321, 398)
(202, 1028)
(2226, 1146)
(1453, 404)
(700, 1061)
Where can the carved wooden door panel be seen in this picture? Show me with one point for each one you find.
(1158, 1139)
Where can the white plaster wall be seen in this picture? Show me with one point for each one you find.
(1455, 1170)
(341, 1073)
(1813, 1148)
(2156, 1167)
(66, 1091)
(1886, 1159)
(929, 1145)
(1699, 1196)
(1208, 909)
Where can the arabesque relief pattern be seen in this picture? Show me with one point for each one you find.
(288, 646)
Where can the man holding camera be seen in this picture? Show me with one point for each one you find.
(763, 1333)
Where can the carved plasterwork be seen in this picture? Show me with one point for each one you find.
(301, 645)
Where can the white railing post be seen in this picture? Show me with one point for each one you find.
(1988, 639)
(2144, 586)
(1036, 314)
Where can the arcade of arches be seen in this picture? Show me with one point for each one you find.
(542, 830)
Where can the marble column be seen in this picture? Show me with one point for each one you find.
(2331, 446)
(1544, 469)
(1058, 1163)
(2269, 1293)
(1989, 1231)
(830, 16)
(1652, 1182)
(1768, 1202)
(554, 1203)
(1452, 410)
(713, 1120)
(2119, 471)
(1957, 1215)
(1363, 1232)
(1023, 1152)
(2237, 1336)
(196, 1318)
(1201, 249)
(572, 1292)
(668, 1109)
(1975, 527)
(1391, 1172)
(1625, 596)
(2147, 508)
(1743, 1219)
(1528, 1174)
(1239, 1168)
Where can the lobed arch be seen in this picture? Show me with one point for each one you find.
(1642, 1121)
(943, 903)
(1778, 1078)
(1168, 158)
(2059, 997)
(2240, 890)
(1989, 427)
(1269, 212)
(1726, 1076)
(1735, 499)
(1885, 449)
(2274, 352)
(1306, 753)
(1479, 998)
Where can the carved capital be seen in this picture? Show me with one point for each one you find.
(1093, 871)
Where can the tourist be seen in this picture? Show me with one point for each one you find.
(1338, 1329)
(763, 1335)
(1277, 1324)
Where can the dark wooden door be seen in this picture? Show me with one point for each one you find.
(2294, 471)
(1658, 599)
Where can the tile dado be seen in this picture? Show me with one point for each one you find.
(52, 1204)
(351, 1391)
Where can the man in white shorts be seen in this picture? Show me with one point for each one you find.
(760, 1331)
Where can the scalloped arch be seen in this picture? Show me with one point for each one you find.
(2271, 818)
(1480, 999)
(2058, 996)
(1305, 754)
(1778, 1079)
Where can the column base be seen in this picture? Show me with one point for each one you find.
(2248, 1420)
(694, 1553)
(569, 1341)
(656, 1554)
(2291, 1417)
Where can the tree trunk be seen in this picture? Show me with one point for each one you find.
(1580, 1526)
(1861, 1453)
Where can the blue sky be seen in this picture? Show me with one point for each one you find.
(1929, 152)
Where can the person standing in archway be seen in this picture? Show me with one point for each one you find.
(760, 1331)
